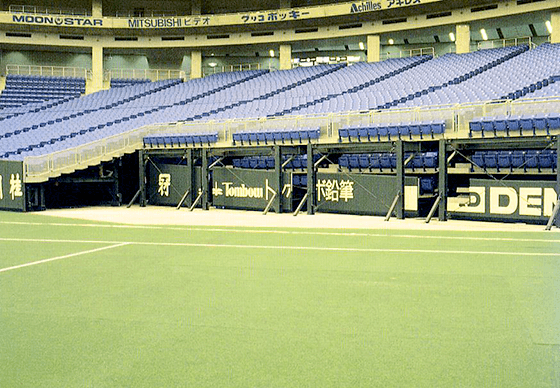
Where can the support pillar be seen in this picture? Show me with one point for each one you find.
(205, 185)
(96, 82)
(278, 184)
(142, 178)
(442, 180)
(311, 197)
(373, 48)
(555, 23)
(285, 57)
(190, 178)
(462, 38)
(400, 179)
(558, 174)
(97, 8)
(196, 64)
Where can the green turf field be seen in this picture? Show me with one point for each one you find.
(109, 306)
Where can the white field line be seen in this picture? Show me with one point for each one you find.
(288, 232)
(62, 257)
(287, 247)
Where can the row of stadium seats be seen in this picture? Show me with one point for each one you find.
(378, 132)
(521, 125)
(277, 136)
(516, 160)
(24, 89)
(413, 86)
(122, 82)
(289, 162)
(388, 161)
(191, 139)
(258, 93)
(350, 85)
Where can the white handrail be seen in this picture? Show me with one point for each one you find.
(497, 43)
(60, 71)
(209, 70)
(151, 74)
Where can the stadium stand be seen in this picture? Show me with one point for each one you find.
(30, 89)
(420, 80)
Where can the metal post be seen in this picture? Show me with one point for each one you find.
(558, 173)
(196, 201)
(303, 200)
(442, 180)
(554, 215)
(393, 205)
(204, 183)
(183, 199)
(142, 178)
(433, 209)
(278, 178)
(134, 198)
(190, 176)
(116, 187)
(311, 197)
(400, 179)
(269, 204)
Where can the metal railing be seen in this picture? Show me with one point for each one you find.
(151, 74)
(38, 10)
(456, 117)
(410, 53)
(510, 42)
(59, 71)
(209, 70)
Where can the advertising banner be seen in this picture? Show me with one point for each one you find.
(211, 20)
(236, 188)
(486, 199)
(12, 188)
(168, 183)
(362, 193)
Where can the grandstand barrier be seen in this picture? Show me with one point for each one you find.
(366, 194)
(12, 186)
(168, 183)
(237, 188)
(512, 200)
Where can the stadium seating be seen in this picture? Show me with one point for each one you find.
(122, 82)
(520, 160)
(408, 87)
(105, 113)
(277, 136)
(184, 140)
(289, 162)
(28, 89)
(387, 161)
(515, 125)
(392, 131)
(45, 127)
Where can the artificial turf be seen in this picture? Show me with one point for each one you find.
(225, 307)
